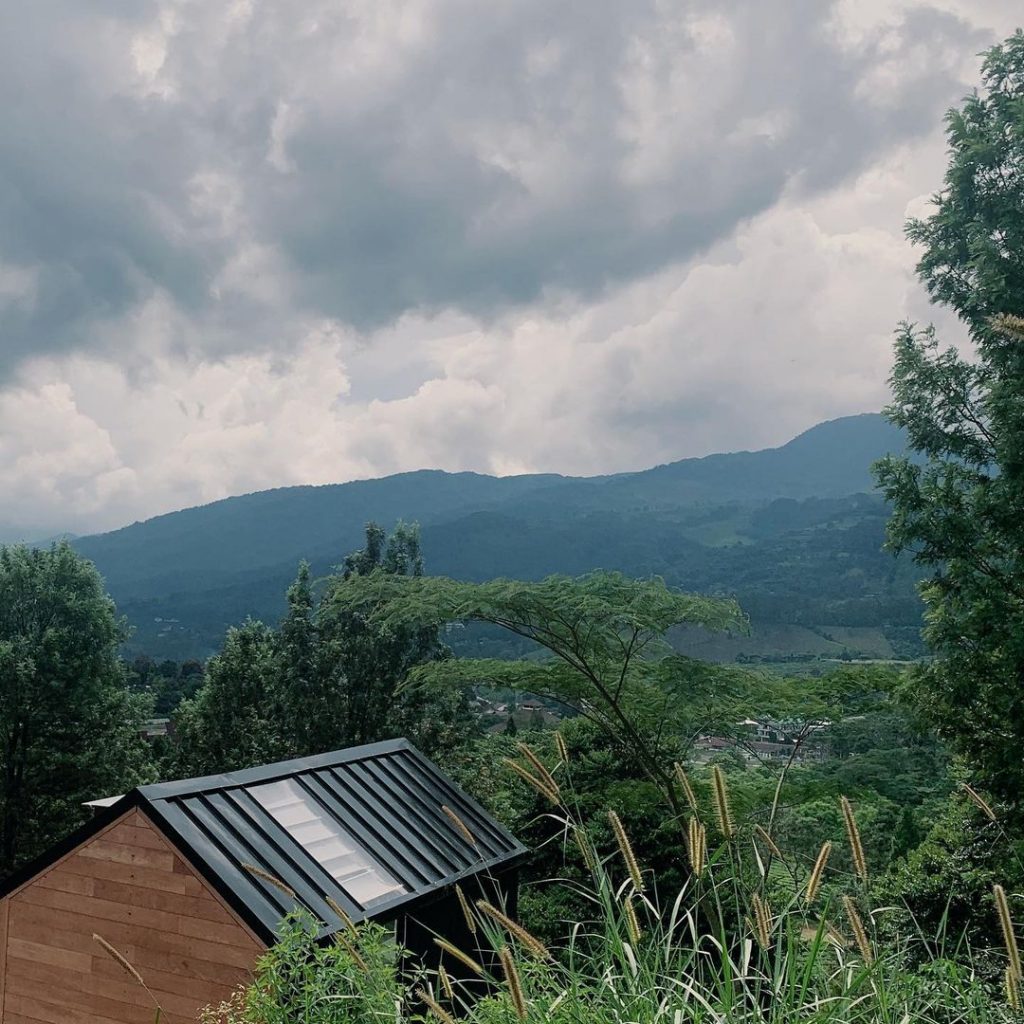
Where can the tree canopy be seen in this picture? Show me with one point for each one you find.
(329, 676)
(958, 503)
(601, 649)
(69, 729)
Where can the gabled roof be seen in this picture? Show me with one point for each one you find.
(363, 826)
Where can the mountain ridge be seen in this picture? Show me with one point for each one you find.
(183, 577)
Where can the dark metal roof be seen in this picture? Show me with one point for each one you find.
(384, 804)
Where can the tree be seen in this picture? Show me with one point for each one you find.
(604, 635)
(366, 661)
(69, 729)
(235, 720)
(958, 504)
(326, 678)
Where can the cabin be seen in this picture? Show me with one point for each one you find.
(179, 877)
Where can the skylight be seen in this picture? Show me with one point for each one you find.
(323, 838)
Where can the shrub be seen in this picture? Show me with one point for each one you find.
(302, 981)
(752, 936)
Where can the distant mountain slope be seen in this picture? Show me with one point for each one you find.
(285, 524)
(709, 523)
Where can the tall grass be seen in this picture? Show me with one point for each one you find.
(752, 937)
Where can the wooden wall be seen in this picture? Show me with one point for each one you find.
(131, 886)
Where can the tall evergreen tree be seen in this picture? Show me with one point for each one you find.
(236, 719)
(365, 661)
(959, 504)
(329, 676)
(305, 702)
(69, 728)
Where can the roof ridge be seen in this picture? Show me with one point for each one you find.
(268, 772)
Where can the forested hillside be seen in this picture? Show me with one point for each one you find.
(791, 532)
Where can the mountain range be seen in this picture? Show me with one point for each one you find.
(794, 532)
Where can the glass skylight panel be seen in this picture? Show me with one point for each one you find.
(309, 823)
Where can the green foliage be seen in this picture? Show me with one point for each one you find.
(236, 718)
(167, 682)
(328, 677)
(943, 887)
(721, 948)
(604, 640)
(69, 729)
(301, 981)
(972, 243)
(897, 776)
(960, 512)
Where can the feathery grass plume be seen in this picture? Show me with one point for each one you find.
(460, 825)
(530, 942)
(1006, 924)
(1012, 983)
(435, 1008)
(583, 843)
(542, 772)
(515, 986)
(860, 864)
(346, 943)
(860, 936)
(446, 982)
(270, 880)
(722, 807)
(626, 849)
(342, 916)
(563, 749)
(683, 780)
(467, 911)
(1009, 324)
(464, 958)
(762, 921)
(765, 838)
(532, 781)
(979, 801)
(697, 846)
(122, 961)
(814, 882)
(632, 924)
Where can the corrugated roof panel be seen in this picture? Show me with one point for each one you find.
(372, 830)
(363, 827)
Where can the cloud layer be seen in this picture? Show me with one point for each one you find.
(265, 242)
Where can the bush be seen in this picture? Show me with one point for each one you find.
(302, 981)
(717, 952)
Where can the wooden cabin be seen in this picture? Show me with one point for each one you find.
(164, 874)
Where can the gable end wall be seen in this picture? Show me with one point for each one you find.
(131, 886)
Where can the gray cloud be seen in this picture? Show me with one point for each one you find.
(262, 242)
(262, 161)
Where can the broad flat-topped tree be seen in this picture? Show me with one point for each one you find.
(605, 637)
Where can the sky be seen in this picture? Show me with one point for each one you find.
(265, 242)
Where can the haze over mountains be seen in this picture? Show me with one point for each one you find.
(793, 532)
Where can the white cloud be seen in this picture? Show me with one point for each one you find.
(270, 243)
(788, 323)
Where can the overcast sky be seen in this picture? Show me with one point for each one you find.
(262, 242)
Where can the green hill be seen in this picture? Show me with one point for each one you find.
(790, 531)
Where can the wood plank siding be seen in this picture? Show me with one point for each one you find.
(130, 885)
